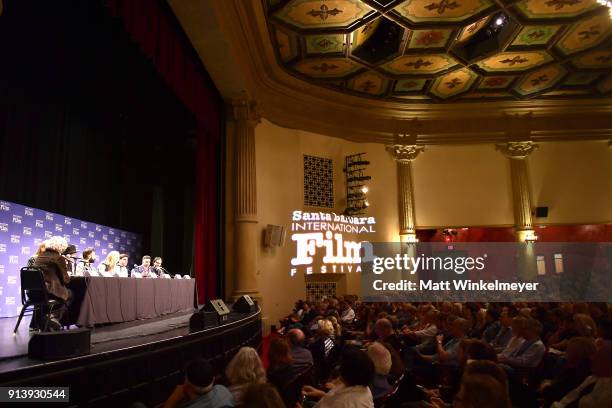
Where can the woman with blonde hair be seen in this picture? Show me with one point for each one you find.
(108, 267)
(243, 370)
(336, 326)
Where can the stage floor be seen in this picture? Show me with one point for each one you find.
(14, 348)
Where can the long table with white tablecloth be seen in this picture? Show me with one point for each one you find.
(99, 300)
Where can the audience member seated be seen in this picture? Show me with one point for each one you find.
(576, 368)
(517, 339)
(381, 358)
(199, 389)
(484, 384)
(428, 331)
(352, 390)
(566, 329)
(596, 390)
(348, 314)
(108, 268)
(261, 395)
(323, 343)
(492, 325)
(385, 334)
(504, 335)
(281, 370)
(301, 356)
(475, 350)
(447, 352)
(243, 370)
(531, 351)
(467, 335)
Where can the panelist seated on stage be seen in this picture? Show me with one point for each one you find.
(108, 268)
(70, 256)
(55, 272)
(85, 265)
(122, 269)
(145, 270)
(158, 269)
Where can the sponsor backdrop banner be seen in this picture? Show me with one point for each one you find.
(22, 229)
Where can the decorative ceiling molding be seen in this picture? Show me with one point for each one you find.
(289, 101)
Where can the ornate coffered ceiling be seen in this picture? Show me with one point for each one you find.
(410, 50)
(309, 67)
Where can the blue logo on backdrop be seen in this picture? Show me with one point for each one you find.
(22, 230)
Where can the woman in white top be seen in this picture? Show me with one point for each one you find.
(356, 374)
(108, 268)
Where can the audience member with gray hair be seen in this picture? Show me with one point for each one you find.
(531, 351)
(55, 272)
(381, 357)
(302, 357)
(243, 370)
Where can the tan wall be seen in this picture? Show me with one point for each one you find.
(453, 186)
(280, 181)
(574, 180)
(458, 186)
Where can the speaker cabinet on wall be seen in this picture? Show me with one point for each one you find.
(60, 344)
(274, 236)
(541, 212)
(244, 304)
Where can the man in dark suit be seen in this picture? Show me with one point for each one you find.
(55, 272)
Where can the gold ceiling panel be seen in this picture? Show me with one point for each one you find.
(585, 34)
(514, 61)
(594, 60)
(453, 83)
(369, 82)
(540, 80)
(550, 9)
(554, 48)
(317, 14)
(326, 67)
(420, 64)
(432, 11)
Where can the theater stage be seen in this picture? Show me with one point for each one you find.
(140, 360)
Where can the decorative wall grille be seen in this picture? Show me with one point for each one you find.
(318, 182)
(320, 290)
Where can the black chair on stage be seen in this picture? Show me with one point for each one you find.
(34, 293)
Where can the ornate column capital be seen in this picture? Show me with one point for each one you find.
(405, 148)
(517, 150)
(405, 153)
(244, 109)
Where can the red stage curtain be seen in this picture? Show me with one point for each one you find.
(154, 29)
